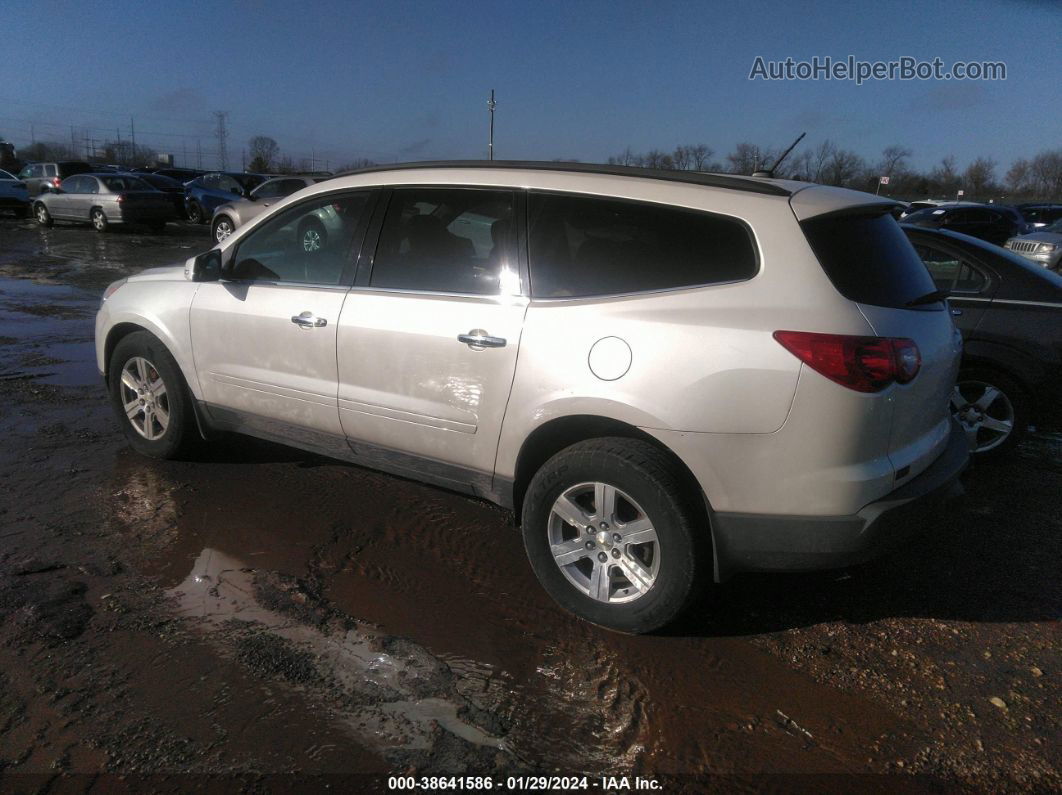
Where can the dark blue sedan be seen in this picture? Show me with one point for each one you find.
(207, 192)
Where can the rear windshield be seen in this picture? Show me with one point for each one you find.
(869, 259)
(118, 184)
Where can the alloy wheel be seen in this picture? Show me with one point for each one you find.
(604, 543)
(144, 398)
(985, 413)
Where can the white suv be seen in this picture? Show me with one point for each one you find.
(668, 376)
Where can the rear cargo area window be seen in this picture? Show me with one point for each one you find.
(869, 259)
(586, 246)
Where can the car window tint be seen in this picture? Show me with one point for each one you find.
(287, 187)
(447, 240)
(119, 184)
(227, 183)
(72, 185)
(50, 171)
(951, 273)
(586, 246)
(267, 190)
(310, 243)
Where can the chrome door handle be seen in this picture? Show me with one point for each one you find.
(477, 339)
(308, 320)
(956, 312)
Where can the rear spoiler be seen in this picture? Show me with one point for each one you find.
(815, 201)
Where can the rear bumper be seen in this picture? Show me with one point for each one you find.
(761, 542)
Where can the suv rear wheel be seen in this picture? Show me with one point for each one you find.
(612, 534)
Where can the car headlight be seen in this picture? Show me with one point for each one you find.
(1044, 248)
(112, 288)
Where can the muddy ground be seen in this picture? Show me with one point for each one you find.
(262, 613)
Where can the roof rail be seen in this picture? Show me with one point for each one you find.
(730, 181)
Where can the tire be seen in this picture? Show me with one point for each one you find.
(98, 219)
(649, 490)
(44, 218)
(195, 213)
(168, 432)
(313, 237)
(223, 227)
(978, 412)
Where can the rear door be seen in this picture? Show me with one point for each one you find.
(969, 286)
(264, 338)
(428, 337)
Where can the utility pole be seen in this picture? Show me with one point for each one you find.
(132, 137)
(184, 154)
(198, 155)
(223, 136)
(491, 105)
(73, 142)
(33, 134)
(243, 160)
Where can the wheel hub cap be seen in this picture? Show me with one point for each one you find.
(144, 398)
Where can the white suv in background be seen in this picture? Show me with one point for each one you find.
(668, 376)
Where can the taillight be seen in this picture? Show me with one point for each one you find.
(865, 364)
(121, 198)
(56, 181)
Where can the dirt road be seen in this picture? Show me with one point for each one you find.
(262, 612)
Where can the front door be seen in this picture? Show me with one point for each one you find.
(428, 338)
(264, 338)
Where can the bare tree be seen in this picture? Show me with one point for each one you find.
(821, 159)
(354, 165)
(700, 154)
(844, 168)
(1046, 170)
(979, 177)
(1019, 177)
(264, 151)
(746, 158)
(944, 179)
(894, 161)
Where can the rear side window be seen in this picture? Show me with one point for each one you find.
(586, 246)
(869, 259)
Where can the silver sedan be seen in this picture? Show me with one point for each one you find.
(104, 199)
(229, 216)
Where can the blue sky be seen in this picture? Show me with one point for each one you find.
(409, 80)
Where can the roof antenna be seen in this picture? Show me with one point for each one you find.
(769, 172)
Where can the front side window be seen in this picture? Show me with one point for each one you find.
(311, 243)
(268, 190)
(588, 246)
(448, 240)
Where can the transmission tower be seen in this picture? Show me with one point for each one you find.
(223, 135)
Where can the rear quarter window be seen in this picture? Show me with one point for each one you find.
(583, 246)
(869, 259)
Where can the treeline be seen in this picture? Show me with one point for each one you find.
(1035, 178)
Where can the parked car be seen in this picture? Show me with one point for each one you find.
(994, 223)
(1010, 314)
(182, 175)
(227, 217)
(715, 373)
(922, 204)
(104, 199)
(205, 193)
(13, 194)
(1043, 246)
(1040, 215)
(171, 187)
(39, 177)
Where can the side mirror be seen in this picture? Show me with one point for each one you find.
(204, 268)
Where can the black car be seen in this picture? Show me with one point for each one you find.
(171, 187)
(1009, 311)
(994, 223)
(1040, 214)
(182, 175)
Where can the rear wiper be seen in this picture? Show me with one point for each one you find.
(928, 298)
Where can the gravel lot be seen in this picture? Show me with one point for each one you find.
(263, 612)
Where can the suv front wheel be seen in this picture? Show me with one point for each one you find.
(612, 534)
(150, 398)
